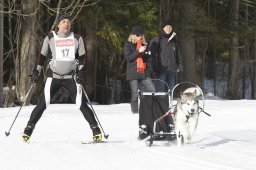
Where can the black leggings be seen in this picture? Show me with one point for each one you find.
(54, 85)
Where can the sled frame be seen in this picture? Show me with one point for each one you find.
(159, 135)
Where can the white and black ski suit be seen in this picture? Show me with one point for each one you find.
(68, 52)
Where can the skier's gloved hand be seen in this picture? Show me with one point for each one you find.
(80, 76)
(34, 76)
(180, 68)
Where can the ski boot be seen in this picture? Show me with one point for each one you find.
(97, 136)
(27, 132)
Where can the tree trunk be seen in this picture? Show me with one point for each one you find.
(246, 64)
(91, 45)
(233, 88)
(188, 43)
(254, 71)
(1, 55)
(27, 48)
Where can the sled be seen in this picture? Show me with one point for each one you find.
(156, 109)
(152, 106)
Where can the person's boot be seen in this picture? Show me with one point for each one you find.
(143, 132)
(28, 132)
(97, 136)
(134, 106)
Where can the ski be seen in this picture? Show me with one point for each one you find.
(93, 142)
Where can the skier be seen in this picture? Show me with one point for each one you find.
(67, 68)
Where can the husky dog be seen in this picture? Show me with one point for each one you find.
(186, 116)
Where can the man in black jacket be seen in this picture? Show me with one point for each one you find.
(166, 57)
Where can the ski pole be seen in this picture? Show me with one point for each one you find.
(105, 135)
(24, 102)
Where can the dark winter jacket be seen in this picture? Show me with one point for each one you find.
(131, 54)
(165, 52)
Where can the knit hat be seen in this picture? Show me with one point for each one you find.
(137, 30)
(167, 22)
(64, 16)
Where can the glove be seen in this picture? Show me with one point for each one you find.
(154, 75)
(155, 72)
(34, 76)
(180, 68)
(80, 77)
(146, 56)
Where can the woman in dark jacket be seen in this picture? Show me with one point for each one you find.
(137, 71)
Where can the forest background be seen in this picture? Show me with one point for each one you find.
(217, 39)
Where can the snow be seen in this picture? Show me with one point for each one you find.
(224, 141)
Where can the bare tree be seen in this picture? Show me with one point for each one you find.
(254, 70)
(246, 64)
(188, 42)
(234, 71)
(1, 54)
(27, 46)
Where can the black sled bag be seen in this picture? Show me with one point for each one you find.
(151, 107)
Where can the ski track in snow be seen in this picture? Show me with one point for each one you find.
(223, 141)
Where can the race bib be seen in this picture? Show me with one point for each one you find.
(64, 48)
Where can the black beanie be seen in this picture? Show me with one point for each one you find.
(64, 16)
(137, 30)
(167, 22)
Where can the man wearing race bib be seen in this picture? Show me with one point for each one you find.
(67, 70)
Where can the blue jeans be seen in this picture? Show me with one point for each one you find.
(165, 79)
(145, 85)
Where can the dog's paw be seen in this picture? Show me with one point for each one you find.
(179, 143)
(187, 141)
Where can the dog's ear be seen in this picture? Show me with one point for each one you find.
(181, 97)
(194, 93)
(181, 94)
